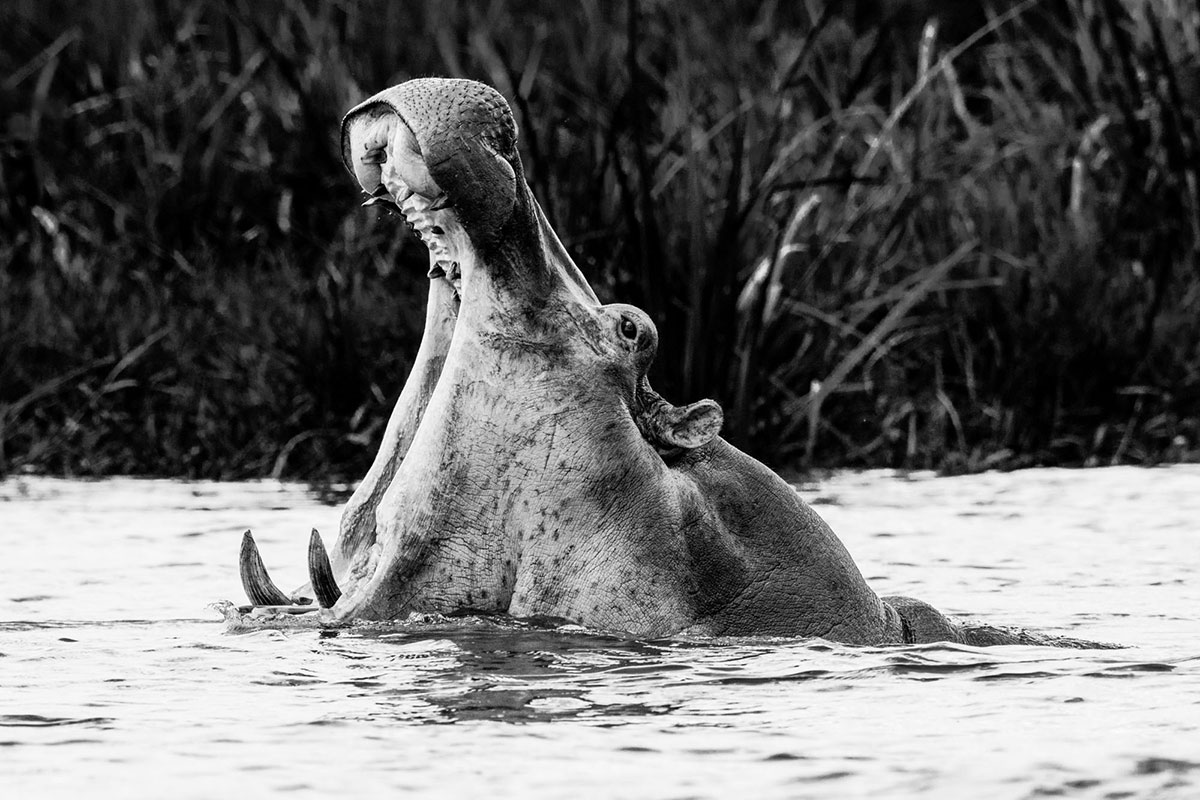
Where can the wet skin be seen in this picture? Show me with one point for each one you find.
(529, 468)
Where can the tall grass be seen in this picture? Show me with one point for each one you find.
(874, 242)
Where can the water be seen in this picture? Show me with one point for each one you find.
(117, 680)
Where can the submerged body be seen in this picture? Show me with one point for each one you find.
(529, 468)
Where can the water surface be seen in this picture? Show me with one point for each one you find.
(116, 679)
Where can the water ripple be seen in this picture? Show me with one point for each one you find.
(38, 721)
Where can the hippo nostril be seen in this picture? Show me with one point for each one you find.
(436, 230)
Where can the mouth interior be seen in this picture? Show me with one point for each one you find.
(451, 272)
(430, 224)
(389, 167)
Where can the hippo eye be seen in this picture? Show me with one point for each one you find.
(628, 329)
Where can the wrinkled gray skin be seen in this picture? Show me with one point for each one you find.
(529, 468)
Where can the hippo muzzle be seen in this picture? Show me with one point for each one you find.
(453, 139)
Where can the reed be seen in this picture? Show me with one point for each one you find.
(907, 242)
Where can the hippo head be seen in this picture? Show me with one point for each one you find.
(527, 418)
(439, 145)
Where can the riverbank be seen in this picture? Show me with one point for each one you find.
(904, 242)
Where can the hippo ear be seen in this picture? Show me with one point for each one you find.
(691, 426)
(669, 427)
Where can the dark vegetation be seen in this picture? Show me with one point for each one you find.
(877, 238)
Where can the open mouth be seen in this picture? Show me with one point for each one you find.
(393, 176)
(422, 213)
(424, 219)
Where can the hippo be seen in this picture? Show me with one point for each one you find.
(529, 468)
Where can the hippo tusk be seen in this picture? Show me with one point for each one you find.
(320, 573)
(255, 580)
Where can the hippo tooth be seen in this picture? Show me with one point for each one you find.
(384, 203)
(255, 580)
(320, 573)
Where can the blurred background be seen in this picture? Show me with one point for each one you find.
(957, 235)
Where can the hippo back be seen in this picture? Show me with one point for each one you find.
(764, 560)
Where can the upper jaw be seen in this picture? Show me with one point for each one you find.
(433, 143)
(383, 149)
(457, 137)
(387, 162)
